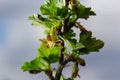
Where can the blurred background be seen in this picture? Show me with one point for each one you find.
(18, 39)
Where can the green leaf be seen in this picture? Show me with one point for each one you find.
(70, 34)
(91, 44)
(51, 55)
(95, 45)
(62, 12)
(84, 12)
(79, 46)
(38, 20)
(44, 9)
(54, 54)
(72, 19)
(54, 9)
(70, 42)
(38, 64)
(49, 8)
(85, 38)
(73, 43)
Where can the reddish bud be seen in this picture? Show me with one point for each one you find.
(47, 46)
(48, 37)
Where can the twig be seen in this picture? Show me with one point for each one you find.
(67, 19)
(49, 74)
(61, 59)
(78, 25)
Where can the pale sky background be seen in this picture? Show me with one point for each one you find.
(18, 39)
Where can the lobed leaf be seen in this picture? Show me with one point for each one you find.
(70, 34)
(84, 12)
(38, 64)
(51, 55)
(38, 20)
(49, 8)
(91, 44)
(73, 44)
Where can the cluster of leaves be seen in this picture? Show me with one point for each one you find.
(45, 57)
(58, 17)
